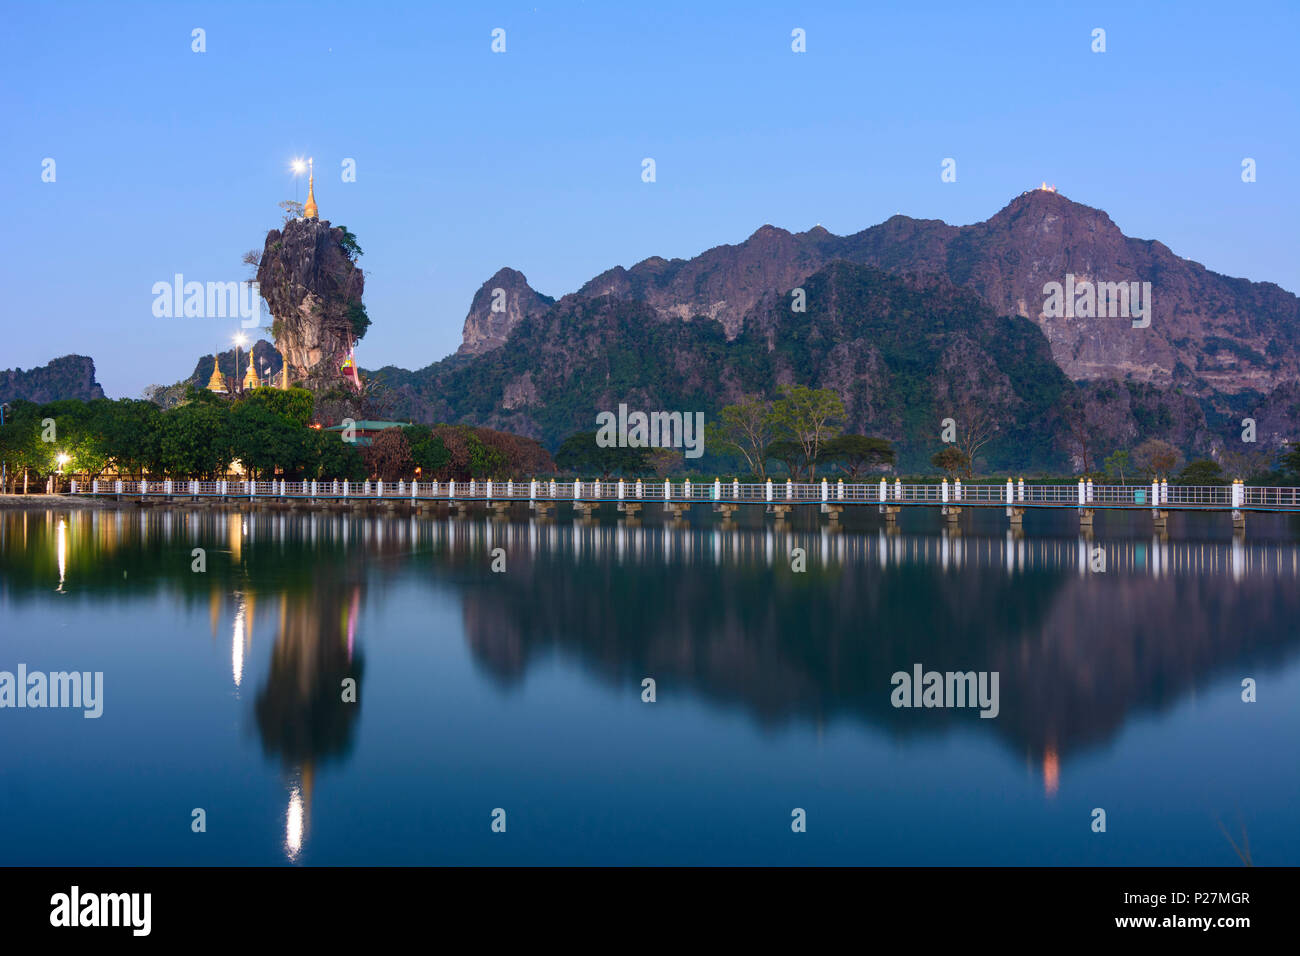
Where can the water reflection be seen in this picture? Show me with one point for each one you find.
(719, 614)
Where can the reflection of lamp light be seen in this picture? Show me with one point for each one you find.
(62, 548)
(237, 645)
(293, 824)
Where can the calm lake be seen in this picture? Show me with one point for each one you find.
(522, 690)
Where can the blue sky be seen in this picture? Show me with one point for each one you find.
(173, 161)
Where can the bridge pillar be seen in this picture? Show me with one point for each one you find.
(779, 511)
(1085, 519)
(832, 512)
(891, 513)
(1159, 518)
(542, 508)
(951, 513)
(1238, 521)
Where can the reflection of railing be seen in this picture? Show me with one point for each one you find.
(1157, 495)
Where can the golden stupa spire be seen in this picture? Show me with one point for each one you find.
(309, 210)
(217, 382)
(250, 376)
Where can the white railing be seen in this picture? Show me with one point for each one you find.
(1020, 494)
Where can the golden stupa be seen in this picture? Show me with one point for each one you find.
(309, 210)
(250, 376)
(217, 383)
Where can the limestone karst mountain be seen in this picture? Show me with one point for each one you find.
(1210, 333)
(708, 328)
(309, 277)
(500, 304)
(71, 376)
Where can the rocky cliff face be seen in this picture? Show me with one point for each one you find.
(1209, 333)
(72, 376)
(309, 277)
(500, 304)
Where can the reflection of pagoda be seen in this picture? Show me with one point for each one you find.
(301, 715)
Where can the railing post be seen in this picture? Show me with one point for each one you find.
(686, 489)
(1164, 491)
(735, 489)
(668, 489)
(577, 488)
(1011, 492)
(489, 489)
(94, 486)
(789, 489)
(194, 487)
(621, 489)
(433, 490)
(1089, 491)
(957, 489)
(898, 489)
(1155, 492)
(717, 489)
(638, 490)
(1083, 491)
(555, 493)
(839, 490)
(943, 491)
(510, 487)
(345, 487)
(826, 490)
(118, 486)
(883, 486)
(1020, 489)
(769, 489)
(532, 490)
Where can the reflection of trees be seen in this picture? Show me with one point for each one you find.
(1076, 655)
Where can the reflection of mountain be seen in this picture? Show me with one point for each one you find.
(301, 715)
(1077, 654)
(718, 614)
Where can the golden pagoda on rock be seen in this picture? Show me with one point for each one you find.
(217, 383)
(309, 210)
(250, 376)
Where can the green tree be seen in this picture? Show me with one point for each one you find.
(1116, 464)
(790, 453)
(857, 454)
(579, 453)
(330, 458)
(294, 404)
(807, 416)
(264, 440)
(196, 441)
(1202, 472)
(429, 453)
(744, 429)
